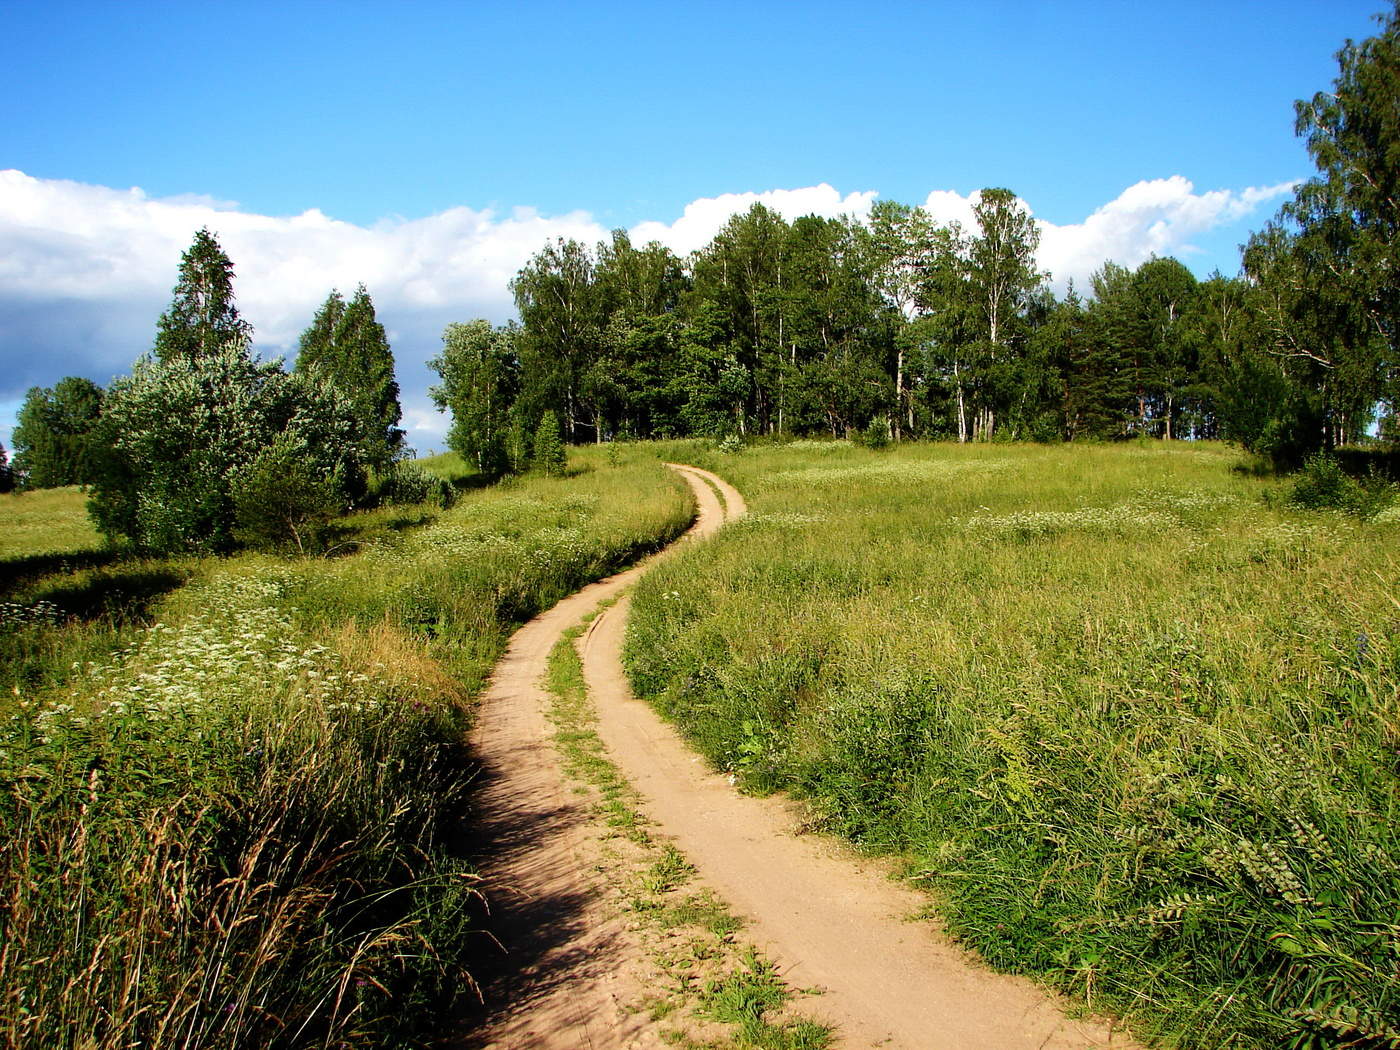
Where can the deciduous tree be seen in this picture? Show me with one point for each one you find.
(53, 439)
(480, 379)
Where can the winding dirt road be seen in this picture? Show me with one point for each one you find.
(574, 973)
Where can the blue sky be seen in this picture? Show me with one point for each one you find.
(427, 148)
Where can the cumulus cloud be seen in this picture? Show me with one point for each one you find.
(1153, 217)
(85, 270)
(703, 218)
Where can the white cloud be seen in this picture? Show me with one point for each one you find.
(85, 270)
(1153, 217)
(703, 218)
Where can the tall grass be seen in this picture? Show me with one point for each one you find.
(237, 828)
(1134, 728)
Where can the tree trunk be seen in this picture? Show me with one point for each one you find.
(962, 406)
(898, 392)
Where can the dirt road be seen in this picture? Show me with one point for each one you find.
(830, 920)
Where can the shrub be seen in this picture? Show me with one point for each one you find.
(408, 484)
(177, 432)
(280, 501)
(1322, 484)
(550, 456)
(876, 434)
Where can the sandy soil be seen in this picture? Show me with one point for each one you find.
(572, 972)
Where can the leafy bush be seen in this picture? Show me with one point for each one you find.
(1322, 484)
(280, 501)
(177, 432)
(549, 447)
(408, 484)
(876, 434)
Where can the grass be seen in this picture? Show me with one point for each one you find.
(1130, 717)
(230, 807)
(46, 521)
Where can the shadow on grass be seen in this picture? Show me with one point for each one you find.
(23, 569)
(124, 593)
(473, 482)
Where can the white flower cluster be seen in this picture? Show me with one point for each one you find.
(565, 546)
(1190, 502)
(13, 615)
(890, 472)
(1027, 524)
(1292, 541)
(777, 520)
(241, 647)
(456, 541)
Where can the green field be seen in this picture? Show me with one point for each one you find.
(1130, 718)
(1131, 721)
(233, 786)
(45, 521)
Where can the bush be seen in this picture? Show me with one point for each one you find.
(178, 432)
(408, 484)
(280, 501)
(876, 434)
(1361, 461)
(1322, 484)
(550, 456)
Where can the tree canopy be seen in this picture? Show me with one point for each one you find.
(53, 436)
(202, 318)
(347, 346)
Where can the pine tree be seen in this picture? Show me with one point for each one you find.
(202, 318)
(347, 345)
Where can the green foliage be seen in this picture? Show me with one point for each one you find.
(178, 431)
(53, 432)
(557, 299)
(480, 380)
(549, 455)
(202, 318)
(1131, 726)
(7, 473)
(280, 500)
(409, 483)
(346, 345)
(877, 433)
(1322, 484)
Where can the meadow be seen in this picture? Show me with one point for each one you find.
(234, 787)
(1129, 716)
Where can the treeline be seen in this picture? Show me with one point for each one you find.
(900, 324)
(204, 446)
(825, 326)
